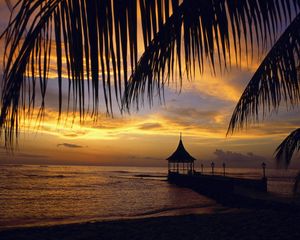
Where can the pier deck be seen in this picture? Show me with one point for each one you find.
(217, 183)
(226, 190)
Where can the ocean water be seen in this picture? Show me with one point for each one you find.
(42, 195)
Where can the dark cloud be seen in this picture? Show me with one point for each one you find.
(235, 159)
(69, 145)
(74, 134)
(195, 118)
(192, 115)
(192, 112)
(150, 126)
(28, 155)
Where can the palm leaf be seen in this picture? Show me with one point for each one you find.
(9, 5)
(286, 149)
(91, 39)
(201, 31)
(275, 80)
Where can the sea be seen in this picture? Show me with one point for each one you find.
(33, 195)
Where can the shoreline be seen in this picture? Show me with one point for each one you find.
(241, 224)
(171, 212)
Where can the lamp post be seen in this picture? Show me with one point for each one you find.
(224, 166)
(212, 168)
(264, 169)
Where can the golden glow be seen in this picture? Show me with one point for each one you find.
(153, 133)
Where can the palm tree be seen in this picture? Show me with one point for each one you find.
(93, 38)
(276, 80)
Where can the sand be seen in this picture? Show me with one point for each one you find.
(244, 224)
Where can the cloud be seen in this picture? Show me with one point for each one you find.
(27, 155)
(194, 115)
(150, 126)
(191, 112)
(69, 145)
(235, 159)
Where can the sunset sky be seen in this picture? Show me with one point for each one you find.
(201, 111)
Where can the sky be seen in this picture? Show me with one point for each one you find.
(201, 110)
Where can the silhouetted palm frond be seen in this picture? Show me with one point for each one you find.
(275, 80)
(9, 5)
(286, 149)
(93, 40)
(96, 40)
(212, 30)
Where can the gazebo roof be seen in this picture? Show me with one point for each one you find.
(181, 155)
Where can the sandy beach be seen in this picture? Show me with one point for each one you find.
(244, 224)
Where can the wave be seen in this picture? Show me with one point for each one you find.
(12, 165)
(168, 209)
(121, 171)
(149, 176)
(93, 185)
(45, 176)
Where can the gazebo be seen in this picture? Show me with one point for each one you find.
(181, 159)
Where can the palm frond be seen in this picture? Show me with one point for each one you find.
(275, 80)
(91, 40)
(287, 148)
(201, 31)
(96, 40)
(9, 5)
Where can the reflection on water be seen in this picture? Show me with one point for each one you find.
(37, 195)
(42, 195)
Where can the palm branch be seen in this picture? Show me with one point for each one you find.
(95, 37)
(275, 81)
(89, 38)
(286, 149)
(205, 30)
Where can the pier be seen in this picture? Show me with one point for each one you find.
(217, 184)
(225, 189)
